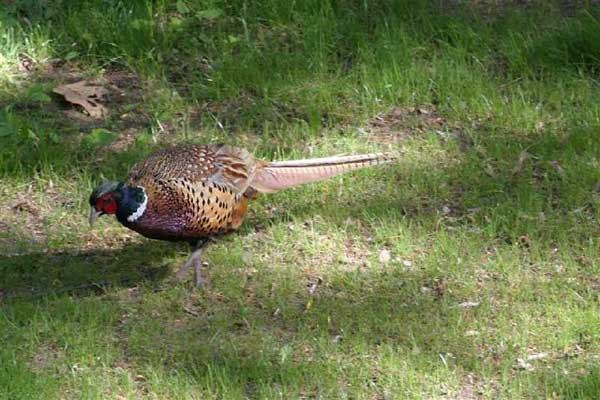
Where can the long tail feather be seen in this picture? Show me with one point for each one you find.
(279, 175)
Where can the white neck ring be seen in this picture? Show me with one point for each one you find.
(141, 209)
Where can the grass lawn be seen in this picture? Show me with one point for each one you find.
(468, 270)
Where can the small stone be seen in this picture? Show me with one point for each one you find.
(385, 256)
(537, 356)
(469, 304)
(524, 365)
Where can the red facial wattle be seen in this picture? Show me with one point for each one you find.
(110, 207)
(107, 204)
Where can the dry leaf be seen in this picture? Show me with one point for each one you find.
(86, 95)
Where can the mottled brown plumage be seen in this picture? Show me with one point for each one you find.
(194, 192)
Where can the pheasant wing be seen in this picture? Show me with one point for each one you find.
(222, 164)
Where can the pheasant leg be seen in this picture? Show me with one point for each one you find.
(198, 273)
(196, 260)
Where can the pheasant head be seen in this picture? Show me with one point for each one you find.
(127, 203)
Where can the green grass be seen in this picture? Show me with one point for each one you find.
(490, 217)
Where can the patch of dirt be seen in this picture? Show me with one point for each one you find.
(126, 138)
(356, 256)
(25, 214)
(47, 356)
(467, 392)
(26, 206)
(491, 8)
(401, 123)
(595, 284)
(471, 388)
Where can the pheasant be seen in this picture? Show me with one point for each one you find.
(194, 193)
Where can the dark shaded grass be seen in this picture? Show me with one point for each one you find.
(47, 274)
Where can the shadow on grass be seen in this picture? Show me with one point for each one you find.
(244, 334)
(266, 329)
(275, 333)
(83, 272)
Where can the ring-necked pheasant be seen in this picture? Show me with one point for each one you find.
(195, 192)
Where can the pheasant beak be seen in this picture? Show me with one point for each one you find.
(94, 215)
